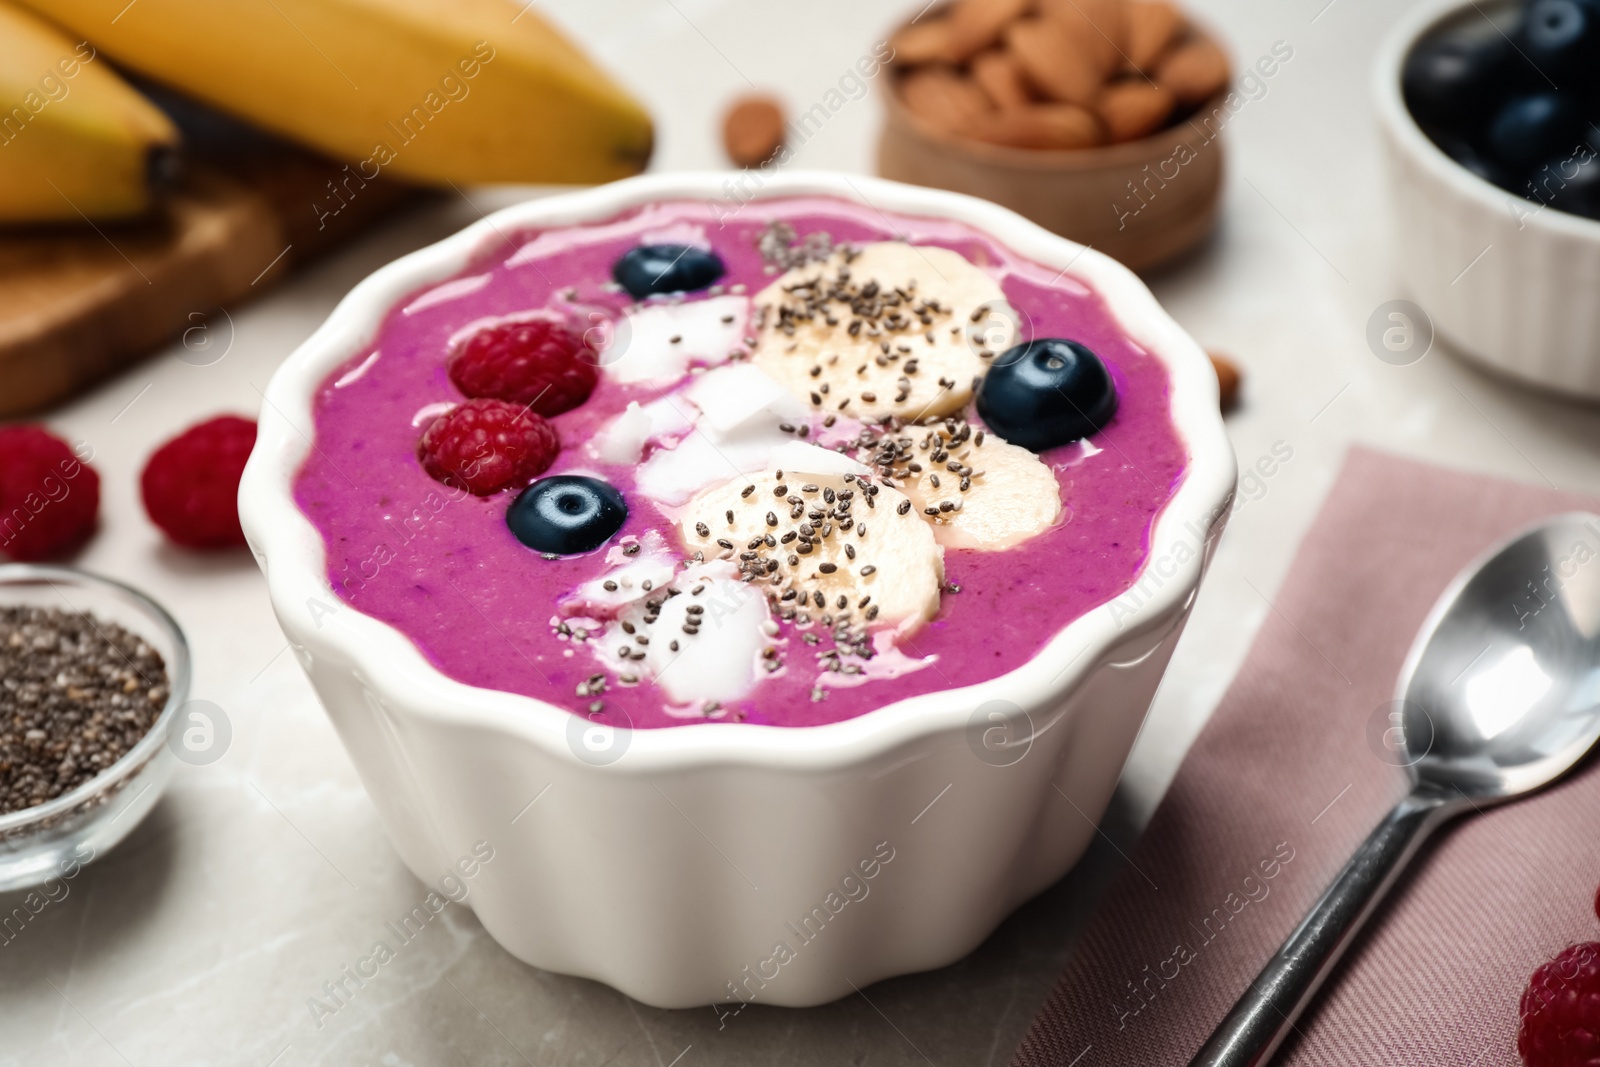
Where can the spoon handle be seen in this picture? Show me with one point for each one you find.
(1263, 1016)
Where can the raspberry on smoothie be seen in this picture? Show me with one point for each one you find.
(538, 363)
(484, 446)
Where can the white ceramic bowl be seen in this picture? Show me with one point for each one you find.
(671, 863)
(1505, 281)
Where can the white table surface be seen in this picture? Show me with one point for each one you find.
(200, 939)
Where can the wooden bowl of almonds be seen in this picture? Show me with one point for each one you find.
(1100, 120)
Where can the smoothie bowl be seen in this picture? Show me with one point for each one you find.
(772, 586)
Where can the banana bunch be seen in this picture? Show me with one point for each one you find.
(76, 140)
(436, 91)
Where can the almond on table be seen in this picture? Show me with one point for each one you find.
(1054, 60)
(1000, 77)
(1228, 378)
(752, 130)
(1133, 108)
(1194, 72)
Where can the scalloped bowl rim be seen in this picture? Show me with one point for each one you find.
(292, 553)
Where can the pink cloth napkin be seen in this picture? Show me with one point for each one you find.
(1283, 783)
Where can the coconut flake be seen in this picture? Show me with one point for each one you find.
(738, 400)
(642, 346)
(622, 440)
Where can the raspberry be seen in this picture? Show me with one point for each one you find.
(484, 446)
(534, 363)
(191, 484)
(48, 497)
(1561, 1011)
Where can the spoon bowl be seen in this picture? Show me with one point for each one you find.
(1501, 692)
(1499, 696)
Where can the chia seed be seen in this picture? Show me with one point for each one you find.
(75, 695)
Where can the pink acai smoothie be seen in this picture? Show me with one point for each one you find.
(785, 644)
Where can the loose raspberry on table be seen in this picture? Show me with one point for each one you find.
(191, 484)
(486, 445)
(1561, 1011)
(49, 498)
(536, 363)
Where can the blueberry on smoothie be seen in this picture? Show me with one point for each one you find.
(566, 514)
(666, 269)
(1047, 392)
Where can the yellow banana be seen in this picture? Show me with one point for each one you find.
(433, 90)
(74, 137)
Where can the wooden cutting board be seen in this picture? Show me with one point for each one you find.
(78, 304)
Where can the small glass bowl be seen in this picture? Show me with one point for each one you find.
(54, 838)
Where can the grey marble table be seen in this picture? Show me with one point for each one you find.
(201, 939)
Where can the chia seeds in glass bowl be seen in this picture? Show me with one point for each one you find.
(92, 673)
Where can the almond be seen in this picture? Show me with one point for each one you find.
(925, 42)
(1194, 72)
(752, 130)
(1097, 25)
(1000, 77)
(944, 98)
(1133, 108)
(1040, 126)
(1054, 60)
(1228, 378)
(977, 24)
(1151, 25)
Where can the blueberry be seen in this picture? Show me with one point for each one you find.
(1562, 38)
(566, 513)
(1533, 127)
(1570, 184)
(666, 269)
(1047, 392)
(1457, 75)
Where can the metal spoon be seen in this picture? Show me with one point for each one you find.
(1499, 696)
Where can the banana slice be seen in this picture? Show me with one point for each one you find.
(974, 490)
(888, 328)
(1016, 497)
(825, 546)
